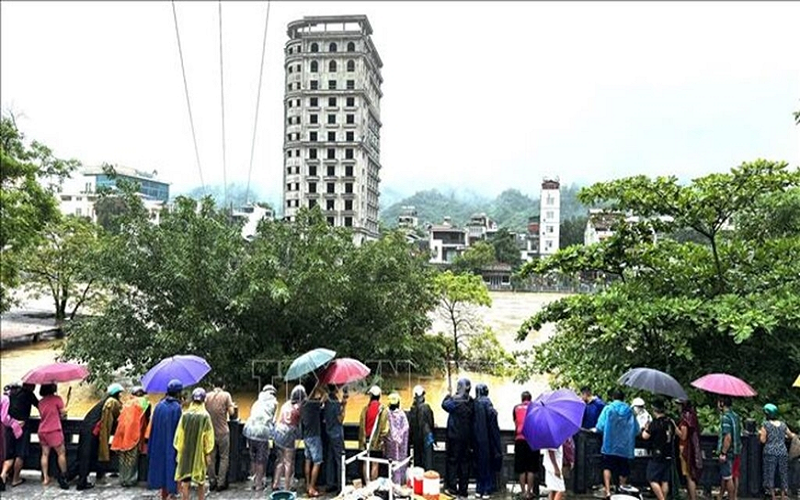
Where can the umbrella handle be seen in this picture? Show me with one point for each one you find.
(69, 395)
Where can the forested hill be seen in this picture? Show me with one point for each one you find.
(510, 209)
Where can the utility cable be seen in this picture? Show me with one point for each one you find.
(258, 103)
(222, 102)
(188, 101)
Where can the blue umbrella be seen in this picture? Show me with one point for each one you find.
(652, 380)
(308, 362)
(552, 418)
(188, 369)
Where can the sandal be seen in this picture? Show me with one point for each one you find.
(21, 480)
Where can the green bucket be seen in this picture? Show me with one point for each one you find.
(282, 495)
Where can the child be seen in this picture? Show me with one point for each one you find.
(553, 479)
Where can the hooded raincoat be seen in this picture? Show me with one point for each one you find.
(161, 464)
(260, 426)
(194, 440)
(108, 424)
(397, 441)
(488, 450)
(619, 428)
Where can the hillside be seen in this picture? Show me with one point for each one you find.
(510, 209)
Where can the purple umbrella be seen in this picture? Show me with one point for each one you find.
(188, 369)
(552, 418)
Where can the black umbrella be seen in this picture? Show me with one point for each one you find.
(654, 381)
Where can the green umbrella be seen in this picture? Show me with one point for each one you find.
(308, 362)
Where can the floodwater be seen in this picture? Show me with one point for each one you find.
(506, 314)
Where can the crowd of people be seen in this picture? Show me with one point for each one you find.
(190, 443)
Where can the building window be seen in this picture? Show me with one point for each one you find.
(331, 136)
(314, 47)
(348, 222)
(331, 171)
(331, 84)
(331, 102)
(351, 118)
(289, 87)
(289, 154)
(297, 103)
(549, 229)
(291, 50)
(351, 102)
(348, 171)
(288, 186)
(312, 203)
(348, 187)
(312, 154)
(291, 68)
(297, 69)
(351, 136)
(351, 66)
(551, 199)
(330, 221)
(329, 204)
(313, 119)
(549, 214)
(332, 67)
(312, 187)
(313, 102)
(332, 47)
(314, 84)
(331, 154)
(348, 153)
(312, 136)
(312, 171)
(330, 188)
(290, 103)
(348, 204)
(314, 67)
(331, 119)
(351, 84)
(351, 47)
(288, 137)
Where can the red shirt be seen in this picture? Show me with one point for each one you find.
(519, 418)
(372, 414)
(50, 411)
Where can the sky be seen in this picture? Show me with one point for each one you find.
(478, 96)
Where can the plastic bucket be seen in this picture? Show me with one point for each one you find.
(282, 495)
(430, 485)
(415, 477)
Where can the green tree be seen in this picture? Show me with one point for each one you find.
(486, 354)
(26, 203)
(728, 304)
(64, 264)
(505, 247)
(459, 295)
(475, 258)
(571, 231)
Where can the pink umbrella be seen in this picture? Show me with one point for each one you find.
(55, 373)
(722, 383)
(344, 371)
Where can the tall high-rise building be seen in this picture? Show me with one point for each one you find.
(549, 217)
(332, 122)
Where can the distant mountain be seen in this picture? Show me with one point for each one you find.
(510, 209)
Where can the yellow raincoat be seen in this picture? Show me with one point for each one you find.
(194, 440)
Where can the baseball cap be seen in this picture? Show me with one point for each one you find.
(638, 402)
(269, 388)
(394, 398)
(199, 394)
(375, 390)
(114, 389)
(419, 390)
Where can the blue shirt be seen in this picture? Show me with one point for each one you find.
(592, 413)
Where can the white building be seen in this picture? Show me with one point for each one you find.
(332, 122)
(252, 215)
(550, 217)
(480, 227)
(446, 242)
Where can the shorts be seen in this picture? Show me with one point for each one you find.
(313, 446)
(554, 483)
(525, 459)
(726, 468)
(285, 437)
(17, 447)
(737, 462)
(259, 451)
(52, 439)
(659, 470)
(619, 466)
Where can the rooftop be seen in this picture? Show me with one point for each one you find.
(309, 21)
(126, 171)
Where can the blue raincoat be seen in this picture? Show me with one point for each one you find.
(619, 428)
(160, 449)
(487, 442)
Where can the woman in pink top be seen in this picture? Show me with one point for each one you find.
(51, 436)
(286, 432)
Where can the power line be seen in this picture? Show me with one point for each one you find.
(188, 102)
(222, 102)
(258, 102)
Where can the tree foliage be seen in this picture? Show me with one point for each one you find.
(474, 258)
(571, 231)
(730, 303)
(459, 295)
(29, 174)
(505, 247)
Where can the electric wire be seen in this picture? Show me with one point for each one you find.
(188, 101)
(258, 103)
(222, 105)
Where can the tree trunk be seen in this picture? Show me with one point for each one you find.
(455, 342)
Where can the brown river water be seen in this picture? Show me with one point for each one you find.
(508, 311)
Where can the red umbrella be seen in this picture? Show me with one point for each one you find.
(55, 373)
(344, 371)
(722, 383)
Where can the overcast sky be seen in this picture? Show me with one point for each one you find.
(478, 96)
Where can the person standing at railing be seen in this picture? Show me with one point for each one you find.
(219, 404)
(372, 430)
(729, 445)
(21, 401)
(594, 406)
(488, 449)
(619, 428)
(160, 446)
(773, 435)
(421, 427)
(108, 425)
(526, 460)
(259, 429)
(460, 438)
(194, 440)
(51, 435)
(88, 443)
(10, 430)
(311, 425)
(128, 439)
(661, 433)
(691, 455)
(286, 433)
(333, 418)
(397, 440)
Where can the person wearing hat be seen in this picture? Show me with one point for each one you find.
(460, 422)
(773, 434)
(642, 416)
(128, 440)
(108, 424)
(486, 445)
(160, 444)
(661, 433)
(372, 431)
(420, 419)
(397, 439)
(194, 441)
(259, 429)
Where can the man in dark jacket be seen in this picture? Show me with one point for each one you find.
(88, 444)
(420, 419)
(460, 436)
